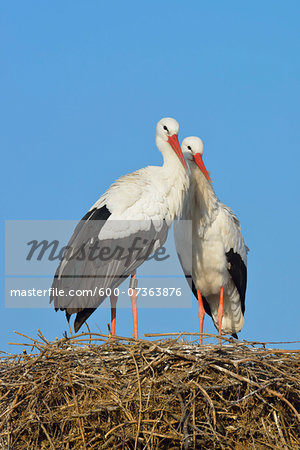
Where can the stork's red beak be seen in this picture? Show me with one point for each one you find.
(199, 161)
(173, 141)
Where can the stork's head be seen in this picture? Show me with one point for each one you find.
(192, 148)
(167, 136)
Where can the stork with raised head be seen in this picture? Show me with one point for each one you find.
(217, 271)
(134, 214)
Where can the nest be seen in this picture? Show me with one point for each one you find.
(91, 391)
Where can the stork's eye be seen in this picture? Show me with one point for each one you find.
(189, 147)
(165, 128)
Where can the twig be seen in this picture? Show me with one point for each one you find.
(276, 394)
(140, 399)
(46, 433)
(279, 429)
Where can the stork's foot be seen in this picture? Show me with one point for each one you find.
(133, 297)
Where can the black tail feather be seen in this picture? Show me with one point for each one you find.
(81, 317)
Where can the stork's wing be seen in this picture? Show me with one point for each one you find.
(93, 274)
(235, 249)
(238, 272)
(230, 229)
(108, 245)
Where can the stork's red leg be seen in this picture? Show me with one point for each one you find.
(113, 309)
(220, 312)
(133, 297)
(201, 314)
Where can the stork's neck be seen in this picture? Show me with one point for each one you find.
(206, 201)
(174, 178)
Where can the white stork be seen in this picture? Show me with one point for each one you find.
(133, 215)
(217, 271)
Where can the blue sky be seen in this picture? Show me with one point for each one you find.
(82, 87)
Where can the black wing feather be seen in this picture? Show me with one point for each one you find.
(238, 272)
(94, 214)
(102, 213)
(99, 214)
(81, 317)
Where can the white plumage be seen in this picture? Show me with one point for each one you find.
(140, 205)
(219, 252)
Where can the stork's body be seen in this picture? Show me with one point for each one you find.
(134, 214)
(217, 271)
